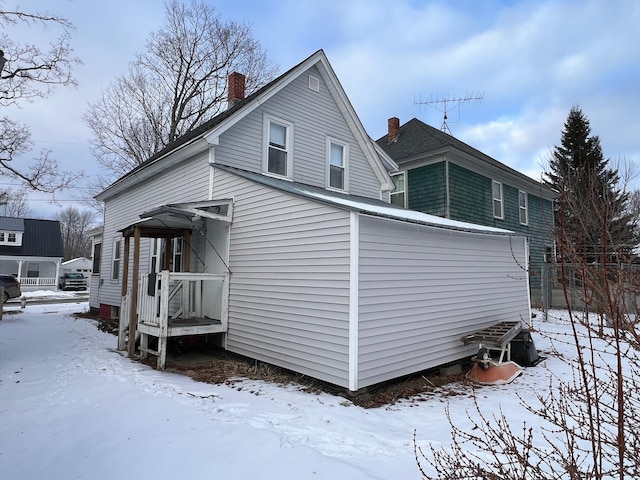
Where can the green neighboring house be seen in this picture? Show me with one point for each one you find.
(443, 176)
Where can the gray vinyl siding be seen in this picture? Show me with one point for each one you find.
(417, 299)
(187, 182)
(289, 287)
(470, 200)
(315, 116)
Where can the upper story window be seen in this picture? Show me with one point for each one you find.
(277, 150)
(398, 196)
(115, 259)
(337, 154)
(523, 207)
(498, 207)
(11, 238)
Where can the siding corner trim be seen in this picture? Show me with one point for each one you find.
(354, 259)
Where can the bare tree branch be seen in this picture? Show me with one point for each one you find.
(14, 203)
(32, 72)
(175, 85)
(74, 225)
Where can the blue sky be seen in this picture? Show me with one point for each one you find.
(531, 61)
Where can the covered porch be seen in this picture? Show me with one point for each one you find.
(33, 273)
(165, 304)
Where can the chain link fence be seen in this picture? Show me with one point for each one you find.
(586, 286)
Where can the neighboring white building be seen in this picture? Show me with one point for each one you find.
(78, 265)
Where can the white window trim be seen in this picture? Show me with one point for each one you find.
(494, 199)
(115, 274)
(525, 208)
(345, 164)
(17, 238)
(155, 253)
(265, 145)
(398, 192)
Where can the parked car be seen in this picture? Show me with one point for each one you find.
(11, 287)
(72, 281)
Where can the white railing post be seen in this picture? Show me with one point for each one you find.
(164, 300)
(123, 324)
(164, 318)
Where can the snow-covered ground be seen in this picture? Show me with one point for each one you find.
(71, 407)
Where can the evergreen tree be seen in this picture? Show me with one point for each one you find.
(591, 209)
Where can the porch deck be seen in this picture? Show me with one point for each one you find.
(184, 326)
(173, 304)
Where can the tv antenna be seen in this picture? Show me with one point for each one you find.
(445, 103)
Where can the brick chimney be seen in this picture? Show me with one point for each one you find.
(394, 129)
(236, 83)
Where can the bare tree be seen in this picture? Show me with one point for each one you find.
(177, 84)
(74, 225)
(29, 72)
(14, 203)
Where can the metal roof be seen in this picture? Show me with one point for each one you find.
(11, 224)
(362, 204)
(41, 238)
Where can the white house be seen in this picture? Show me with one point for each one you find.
(31, 250)
(269, 228)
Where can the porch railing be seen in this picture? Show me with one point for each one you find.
(38, 282)
(179, 295)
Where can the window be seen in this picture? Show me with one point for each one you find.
(398, 195)
(11, 238)
(337, 153)
(177, 254)
(156, 253)
(97, 255)
(523, 207)
(277, 156)
(33, 270)
(498, 211)
(115, 264)
(278, 149)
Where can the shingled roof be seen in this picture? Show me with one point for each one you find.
(41, 238)
(417, 137)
